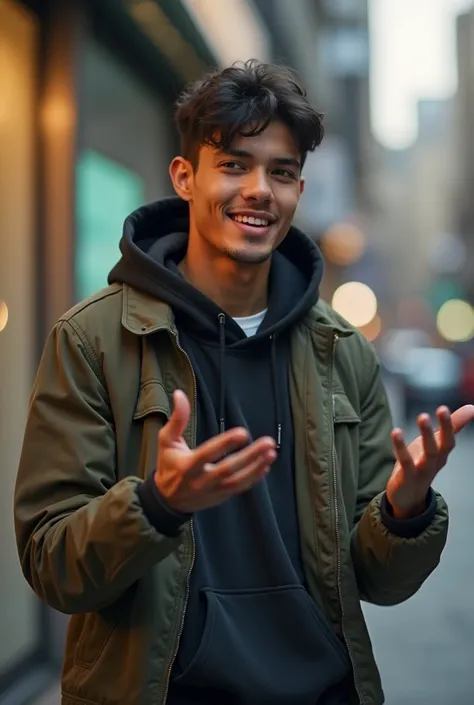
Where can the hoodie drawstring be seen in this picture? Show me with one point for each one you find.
(275, 391)
(221, 318)
(278, 434)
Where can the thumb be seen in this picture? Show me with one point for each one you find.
(177, 422)
(461, 417)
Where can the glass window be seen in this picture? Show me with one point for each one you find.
(106, 193)
(126, 142)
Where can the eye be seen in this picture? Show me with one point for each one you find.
(232, 166)
(285, 174)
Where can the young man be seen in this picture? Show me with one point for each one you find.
(207, 482)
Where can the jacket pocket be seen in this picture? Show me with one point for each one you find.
(151, 414)
(346, 445)
(95, 634)
(266, 645)
(152, 399)
(343, 411)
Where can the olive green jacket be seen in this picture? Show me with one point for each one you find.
(101, 395)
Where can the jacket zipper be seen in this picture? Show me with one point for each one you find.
(193, 549)
(338, 538)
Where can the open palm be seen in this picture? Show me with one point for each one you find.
(418, 463)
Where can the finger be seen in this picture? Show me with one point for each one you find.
(218, 446)
(402, 453)
(179, 419)
(461, 417)
(447, 439)
(430, 445)
(262, 449)
(244, 479)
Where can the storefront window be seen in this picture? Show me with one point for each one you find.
(106, 194)
(125, 145)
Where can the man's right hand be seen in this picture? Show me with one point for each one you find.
(223, 466)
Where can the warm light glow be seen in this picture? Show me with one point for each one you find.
(3, 315)
(343, 244)
(356, 302)
(455, 321)
(8, 79)
(373, 329)
(57, 113)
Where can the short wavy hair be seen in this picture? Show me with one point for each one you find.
(242, 100)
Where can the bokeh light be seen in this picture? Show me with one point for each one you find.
(356, 302)
(343, 244)
(455, 321)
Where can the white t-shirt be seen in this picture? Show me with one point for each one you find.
(250, 324)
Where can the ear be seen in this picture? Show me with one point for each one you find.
(181, 174)
(301, 185)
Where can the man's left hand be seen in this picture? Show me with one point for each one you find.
(419, 463)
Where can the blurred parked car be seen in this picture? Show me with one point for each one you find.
(395, 345)
(432, 377)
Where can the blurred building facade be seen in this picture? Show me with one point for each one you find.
(424, 195)
(463, 137)
(86, 135)
(416, 189)
(424, 218)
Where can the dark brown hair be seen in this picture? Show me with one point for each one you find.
(242, 100)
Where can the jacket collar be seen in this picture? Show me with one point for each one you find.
(143, 314)
(323, 318)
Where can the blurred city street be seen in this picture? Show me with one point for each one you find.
(425, 647)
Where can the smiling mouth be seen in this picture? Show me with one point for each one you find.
(250, 220)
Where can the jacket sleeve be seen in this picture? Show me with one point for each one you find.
(82, 537)
(392, 563)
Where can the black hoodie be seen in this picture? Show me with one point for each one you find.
(252, 634)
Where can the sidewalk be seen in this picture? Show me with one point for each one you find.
(52, 697)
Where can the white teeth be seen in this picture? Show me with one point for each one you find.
(250, 220)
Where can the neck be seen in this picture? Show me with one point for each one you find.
(238, 289)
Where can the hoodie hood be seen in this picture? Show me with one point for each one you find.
(154, 242)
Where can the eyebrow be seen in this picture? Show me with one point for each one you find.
(243, 154)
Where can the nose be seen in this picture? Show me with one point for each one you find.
(257, 187)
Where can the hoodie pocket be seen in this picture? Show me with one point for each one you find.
(266, 645)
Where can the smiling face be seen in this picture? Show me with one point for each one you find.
(242, 201)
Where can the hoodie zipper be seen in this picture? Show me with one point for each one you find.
(338, 536)
(193, 549)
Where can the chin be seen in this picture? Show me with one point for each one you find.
(248, 256)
